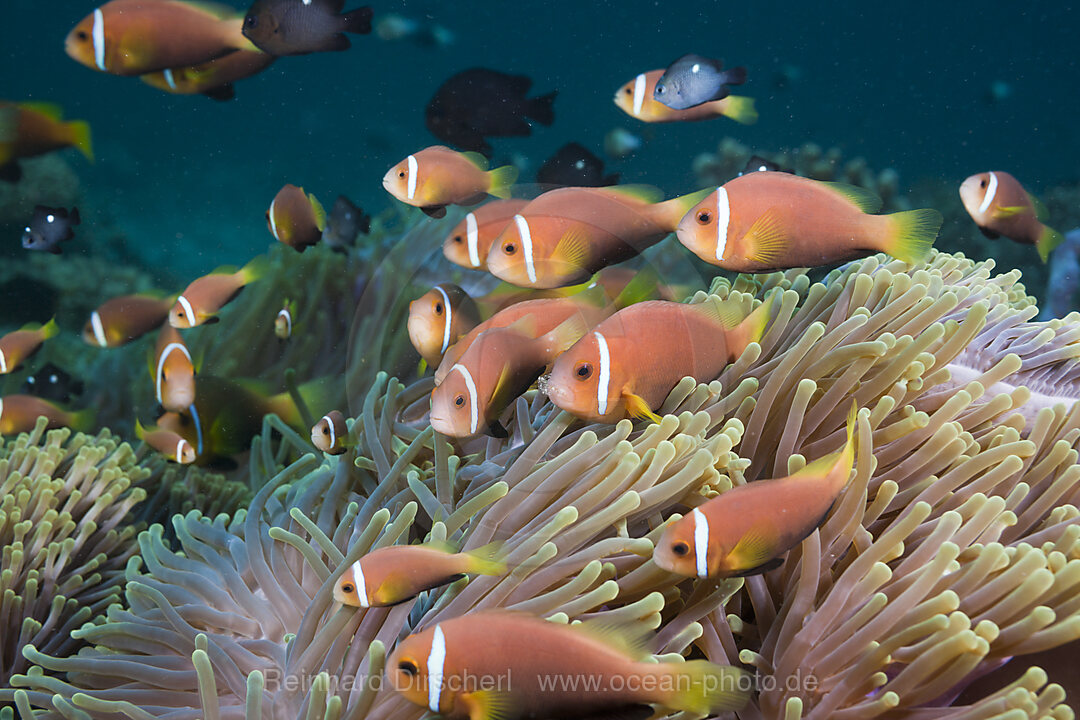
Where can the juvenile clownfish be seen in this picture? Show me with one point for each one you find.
(19, 346)
(635, 98)
(394, 574)
(135, 37)
(468, 243)
(438, 318)
(331, 433)
(283, 323)
(169, 444)
(999, 205)
(203, 298)
(431, 668)
(295, 218)
(747, 529)
(437, 176)
(630, 362)
(126, 318)
(19, 413)
(173, 371)
(765, 221)
(565, 235)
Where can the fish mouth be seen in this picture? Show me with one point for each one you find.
(441, 424)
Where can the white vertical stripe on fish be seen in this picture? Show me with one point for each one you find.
(161, 364)
(333, 433)
(169, 78)
(723, 219)
(701, 542)
(3, 362)
(526, 246)
(99, 329)
(639, 93)
(991, 191)
(361, 584)
(605, 374)
(412, 176)
(474, 409)
(180, 449)
(273, 221)
(98, 33)
(188, 309)
(198, 428)
(447, 321)
(472, 236)
(435, 663)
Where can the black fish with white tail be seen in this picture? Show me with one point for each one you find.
(479, 103)
(574, 165)
(299, 27)
(693, 80)
(49, 227)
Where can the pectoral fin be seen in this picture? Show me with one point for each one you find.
(752, 552)
(639, 408)
(572, 249)
(435, 211)
(1009, 211)
(488, 705)
(766, 241)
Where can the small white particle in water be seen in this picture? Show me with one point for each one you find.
(50, 218)
(28, 229)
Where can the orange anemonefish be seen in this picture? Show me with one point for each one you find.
(565, 235)
(765, 221)
(468, 243)
(203, 298)
(18, 346)
(19, 413)
(438, 318)
(630, 362)
(30, 129)
(394, 574)
(173, 370)
(136, 37)
(295, 218)
(214, 79)
(635, 98)
(432, 668)
(283, 323)
(438, 176)
(123, 319)
(169, 444)
(498, 366)
(999, 205)
(331, 433)
(745, 530)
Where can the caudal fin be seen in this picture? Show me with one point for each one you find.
(358, 21)
(487, 560)
(740, 109)
(669, 213)
(1048, 240)
(502, 181)
(705, 688)
(80, 138)
(542, 109)
(912, 234)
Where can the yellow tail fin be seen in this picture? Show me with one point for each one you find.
(487, 560)
(740, 109)
(320, 212)
(704, 688)
(49, 329)
(913, 234)
(669, 213)
(841, 461)
(80, 138)
(1048, 240)
(502, 181)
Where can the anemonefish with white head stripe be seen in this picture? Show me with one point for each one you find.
(438, 318)
(203, 298)
(331, 433)
(630, 362)
(764, 221)
(214, 79)
(296, 218)
(437, 176)
(123, 319)
(19, 413)
(999, 205)
(745, 530)
(170, 444)
(136, 37)
(565, 235)
(19, 346)
(394, 574)
(283, 322)
(468, 243)
(635, 98)
(542, 661)
(173, 371)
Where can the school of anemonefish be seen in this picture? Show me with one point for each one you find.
(564, 320)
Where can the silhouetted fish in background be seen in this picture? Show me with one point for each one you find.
(756, 163)
(49, 227)
(345, 222)
(298, 27)
(573, 164)
(479, 103)
(694, 80)
(52, 383)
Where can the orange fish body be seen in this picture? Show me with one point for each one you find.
(438, 176)
(17, 347)
(565, 235)
(136, 37)
(635, 98)
(764, 221)
(19, 413)
(214, 78)
(746, 529)
(295, 218)
(123, 319)
(499, 365)
(999, 205)
(203, 298)
(525, 656)
(168, 443)
(331, 433)
(630, 362)
(468, 243)
(438, 319)
(174, 371)
(394, 574)
(32, 129)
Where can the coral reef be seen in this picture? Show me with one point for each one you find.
(63, 503)
(954, 550)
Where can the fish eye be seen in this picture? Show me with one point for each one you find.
(438, 308)
(629, 90)
(459, 401)
(457, 238)
(251, 21)
(681, 549)
(401, 173)
(82, 35)
(348, 588)
(509, 248)
(326, 431)
(409, 668)
(583, 371)
(704, 217)
(982, 184)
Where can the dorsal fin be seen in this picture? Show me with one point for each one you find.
(476, 159)
(862, 198)
(630, 638)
